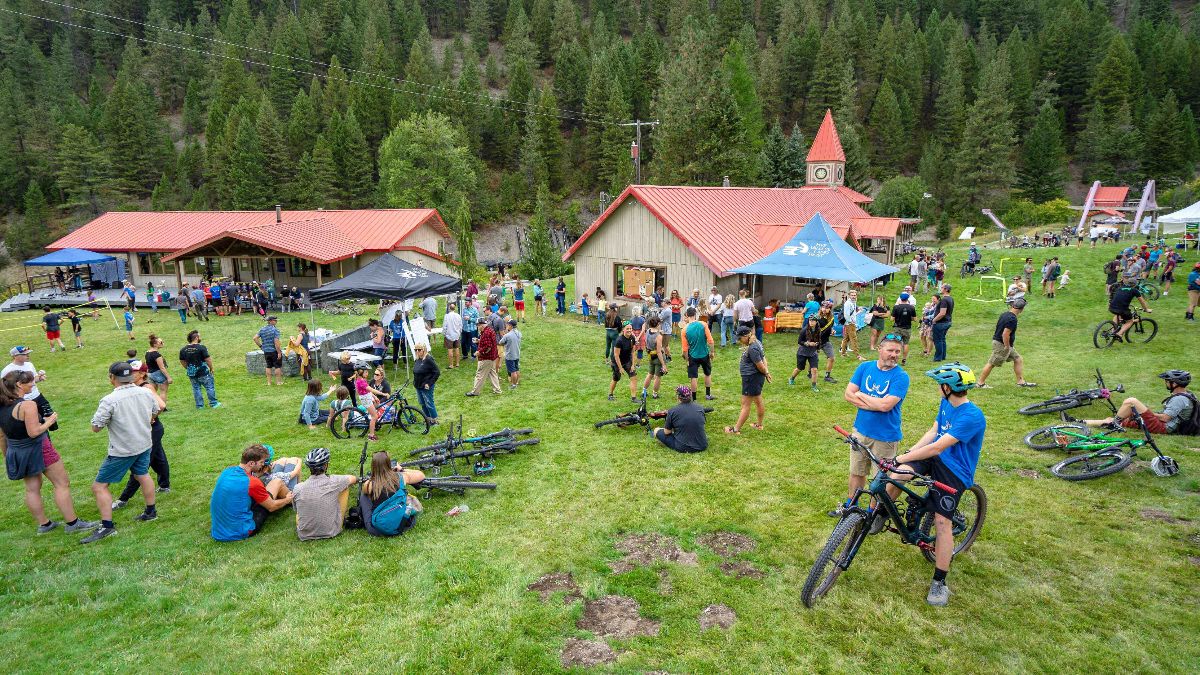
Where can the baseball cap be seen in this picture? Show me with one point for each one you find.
(122, 371)
(904, 296)
(743, 330)
(272, 318)
(512, 322)
(19, 350)
(138, 366)
(1019, 303)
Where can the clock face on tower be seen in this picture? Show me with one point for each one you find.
(821, 173)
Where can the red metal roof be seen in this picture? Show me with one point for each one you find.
(317, 240)
(1111, 196)
(722, 226)
(172, 231)
(877, 228)
(826, 146)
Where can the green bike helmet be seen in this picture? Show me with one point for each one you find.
(957, 376)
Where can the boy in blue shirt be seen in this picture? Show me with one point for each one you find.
(877, 389)
(948, 453)
(129, 324)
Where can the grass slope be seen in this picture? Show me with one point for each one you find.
(1064, 577)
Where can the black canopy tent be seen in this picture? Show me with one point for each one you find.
(387, 278)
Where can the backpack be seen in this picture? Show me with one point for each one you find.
(395, 512)
(1190, 425)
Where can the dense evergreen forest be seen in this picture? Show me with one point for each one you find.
(488, 108)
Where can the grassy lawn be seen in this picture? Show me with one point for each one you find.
(1064, 576)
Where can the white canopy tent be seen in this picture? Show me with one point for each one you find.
(1176, 223)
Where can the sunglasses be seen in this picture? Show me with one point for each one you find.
(893, 336)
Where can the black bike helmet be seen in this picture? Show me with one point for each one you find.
(1180, 377)
(317, 458)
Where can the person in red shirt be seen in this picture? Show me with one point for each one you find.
(488, 357)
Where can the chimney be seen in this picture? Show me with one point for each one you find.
(278, 213)
(725, 183)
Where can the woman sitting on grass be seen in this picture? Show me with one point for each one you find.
(384, 482)
(310, 409)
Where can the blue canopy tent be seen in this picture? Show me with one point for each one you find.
(817, 252)
(68, 257)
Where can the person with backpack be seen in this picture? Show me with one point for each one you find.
(386, 506)
(1180, 413)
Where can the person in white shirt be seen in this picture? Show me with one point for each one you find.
(1094, 234)
(714, 310)
(452, 327)
(911, 299)
(20, 361)
(743, 309)
(850, 329)
(914, 270)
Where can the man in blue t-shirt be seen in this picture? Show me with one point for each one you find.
(1193, 292)
(948, 453)
(269, 341)
(811, 307)
(877, 389)
(240, 502)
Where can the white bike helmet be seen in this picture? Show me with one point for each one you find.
(1164, 466)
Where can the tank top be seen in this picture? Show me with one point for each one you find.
(152, 357)
(14, 429)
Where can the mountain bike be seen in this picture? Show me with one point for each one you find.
(1149, 290)
(639, 416)
(396, 413)
(967, 270)
(348, 422)
(452, 441)
(913, 521)
(1111, 457)
(1074, 398)
(445, 455)
(1143, 330)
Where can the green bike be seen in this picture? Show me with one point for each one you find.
(1149, 289)
(1102, 453)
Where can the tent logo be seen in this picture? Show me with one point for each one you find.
(818, 250)
(411, 274)
(801, 248)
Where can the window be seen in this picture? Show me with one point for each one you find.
(873, 245)
(299, 267)
(152, 264)
(805, 281)
(202, 266)
(280, 264)
(636, 281)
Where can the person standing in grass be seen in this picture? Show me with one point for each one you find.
(539, 298)
(622, 363)
(942, 323)
(665, 326)
(268, 340)
(1003, 351)
(850, 328)
(29, 455)
(396, 331)
(240, 503)
(654, 345)
(200, 303)
(612, 331)
(128, 413)
(181, 302)
(754, 372)
(878, 313)
(560, 297)
(511, 341)
(902, 318)
(825, 320)
(519, 300)
(807, 351)
(877, 390)
(429, 311)
(452, 333)
(470, 330)
(198, 365)
(425, 377)
(378, 338)
(158, 455)
(728, 322)
(638, 322)
(76, 327)
(129, 324)
(1193, 289)
(715, 302)
(697, 346)
(51, 323)
(488, 354)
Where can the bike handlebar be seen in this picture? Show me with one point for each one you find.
(854, 442)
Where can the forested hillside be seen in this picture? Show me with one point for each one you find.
(487, 108)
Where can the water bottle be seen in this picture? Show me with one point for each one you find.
(461, 508)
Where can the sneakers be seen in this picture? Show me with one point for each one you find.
(709, 397)
(48, 527)
(829, 378)
(837, 513)
(163, 490)
(145, 517)
(471, 393)
(119, 504)
(99, 534)
(939, 594)
(215, 405)
(512, 387)
(791, 381)
(815, 390)
(611, 397)
(82, 525)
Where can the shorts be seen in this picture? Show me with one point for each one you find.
(24, 459)
(519, 305)
(616, 372)
(273, 359)
(860, 464)
(675, 317)
(752, 385)
(52, 335)
(1123, 316)
(694, 366)
(78, 332)
(1094, 239)
(809, 359)
(672, 442)
(1002, 354)
(50, 456)
(904, 333)
(113, 469)
(451, 344)
(941, 503)
(1153, 424)
(259, 513)
(539, 298)
(828, 349)
(1169, 276)
(656, 366)
(513, 365)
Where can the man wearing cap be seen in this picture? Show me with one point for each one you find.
(903, 314)
(1193, 289)
(127, 412)
(268, 340)
(1003, 351)
(20, 361)
(683, 428)
(199, 304)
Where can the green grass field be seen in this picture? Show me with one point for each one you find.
(1097, 576)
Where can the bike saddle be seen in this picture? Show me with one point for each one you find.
(1164, 466)
(482, 468)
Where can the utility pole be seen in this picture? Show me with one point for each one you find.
(635, 150)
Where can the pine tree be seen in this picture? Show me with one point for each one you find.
(277, 162)
(544, 133)
(132, 131)
(520, 84)
(301, 131)
(1043, 169)
(289, 57)
(84, 173)
(1164, 153)
(541, 259)
(541, 30)
(464, 239)
(825, 87)
(479, 26)
(1112, 83)
(741, 82)
(614, 168)
(571, 78)
(950, 110)
(372, 93)
(983, 162)
(888, 138)
(772, 158)
(424, 162)
(566, 26)
(248, 179)
(353, 158)
(193, 108)
(323, 191)
(335, 96)
(1110, 146)
(795, 159)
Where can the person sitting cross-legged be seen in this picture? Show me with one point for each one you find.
(683, 430)
(384, 482)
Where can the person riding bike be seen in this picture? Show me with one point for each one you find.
(1179, 414)
(948, 453)
(1122, 297)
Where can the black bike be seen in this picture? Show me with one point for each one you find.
(912, 521)
(1141, 331)
(454, 441)
(639, 416)
(444, 456)
(1074, 398)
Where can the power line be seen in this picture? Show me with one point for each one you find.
(496, 103)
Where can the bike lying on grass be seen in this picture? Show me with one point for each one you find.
(483, 449)
(1141, 331)
(913, 522)
(1073, 399)
(639, 416)
(1103, 454)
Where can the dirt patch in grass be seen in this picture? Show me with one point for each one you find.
(741, 569)
(994, 469)
(1135, 466)
(586, 653)
(727, 544)
(1161, 516)
(717, 616)
(615, 616)
(647, 549)
(1028, 473)
(1195, 560)
(554, 582)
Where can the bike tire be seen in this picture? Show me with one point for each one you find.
(502, 434)
(623, 420)
(1151, 291)
(1053, 405)
(503, 448)
(453, 485)
(848, 533)
(962, 272)
(353, 417)
(412, 420)
(1143, 332)
(1097, 464)
(355, 310)
(1104, 334)
(1044, 438)
(972, 521)
(436, 447)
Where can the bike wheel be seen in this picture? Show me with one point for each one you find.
(1046, 438)
(457, 486)
(967, 521)
(356, 423)
(1151, 291)
(1142, 331)
(1104, 334)
(1056, 404)
(623, 420)
(506, 447)
(830, 562)
(412, 420)
(1092, 465)
(355, 310)
(962, 271)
